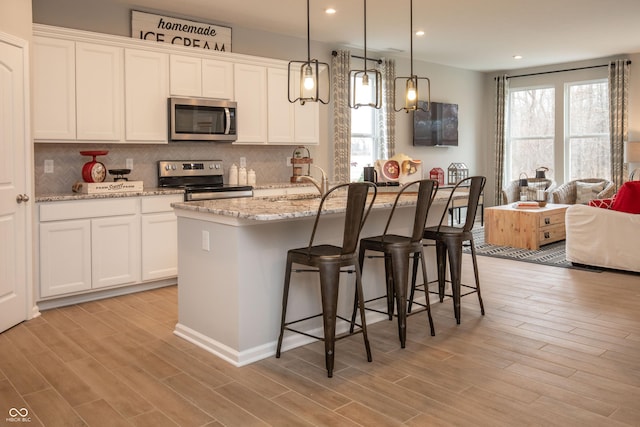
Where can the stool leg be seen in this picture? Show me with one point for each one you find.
(285, 298)
(389, 282)
(426, 294)
(441, 258)
(454, 250)
(329, 283)
(475, 273)
(363, 319)
(356, 299)
(400, 266)
(414, 274)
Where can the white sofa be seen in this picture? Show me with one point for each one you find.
(603, 238)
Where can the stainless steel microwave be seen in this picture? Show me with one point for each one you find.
(202, 119)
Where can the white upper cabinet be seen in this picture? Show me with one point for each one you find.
(146, 95)
(99, 75)
(217, 79)
(290, 123)
(54, 89)
(250, 88)
(185, 75)
(191, 76)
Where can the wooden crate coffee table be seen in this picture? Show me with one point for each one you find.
(524, 228)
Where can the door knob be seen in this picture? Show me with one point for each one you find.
(22, 198)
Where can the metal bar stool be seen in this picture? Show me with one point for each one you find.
(328, 260)
(449, 242)
(397, 250)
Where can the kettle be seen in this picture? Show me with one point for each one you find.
(370, 174)
(540, 172)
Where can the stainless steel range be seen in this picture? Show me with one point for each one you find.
(201, 179)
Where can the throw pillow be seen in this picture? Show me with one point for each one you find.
(602, 203)
(628, 198)
(586, 191)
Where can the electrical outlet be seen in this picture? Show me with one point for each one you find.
(288, 161)
(129, 164)
(206, 246)
(48, 166)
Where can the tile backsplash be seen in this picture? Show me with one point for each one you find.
(267, 161)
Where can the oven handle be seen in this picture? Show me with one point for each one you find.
(228, 116)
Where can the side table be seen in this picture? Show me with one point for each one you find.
(524, 228)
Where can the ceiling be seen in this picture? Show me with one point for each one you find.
(481, 35)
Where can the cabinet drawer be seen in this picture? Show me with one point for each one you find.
(551, 234)
(159, 203)
(57, 211)
(552, 219)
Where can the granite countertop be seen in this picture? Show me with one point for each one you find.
(286, 207)
(151, 191)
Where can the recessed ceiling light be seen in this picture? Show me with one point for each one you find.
(517, 56)
(330, 11)
(420, 33)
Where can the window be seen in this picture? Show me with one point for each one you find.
(531, 131)
(587, 141)
(363, 137)
(562, 126)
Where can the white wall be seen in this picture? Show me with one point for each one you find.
(15, 18)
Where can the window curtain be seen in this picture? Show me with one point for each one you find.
(341, 115)
(501, 98)
(385, 142)
(618, 117)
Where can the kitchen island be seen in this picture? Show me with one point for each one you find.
(231, 265)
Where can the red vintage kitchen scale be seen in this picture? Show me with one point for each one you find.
(93, 170)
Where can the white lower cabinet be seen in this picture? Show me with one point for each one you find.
(115, 251)
(91, 245)
(65, 257)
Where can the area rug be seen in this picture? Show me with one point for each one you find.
(551, 254)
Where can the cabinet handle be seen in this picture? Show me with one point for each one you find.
(547, 221)
(546, 234)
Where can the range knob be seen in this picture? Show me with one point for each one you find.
(167, 167)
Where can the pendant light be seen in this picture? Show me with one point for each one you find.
(411, 92)
(308, 76)
(360, 91)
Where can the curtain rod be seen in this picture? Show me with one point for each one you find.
(379, 61)
(560, 71)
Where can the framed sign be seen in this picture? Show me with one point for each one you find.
(182, 32)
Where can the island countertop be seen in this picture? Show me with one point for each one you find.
(298, 206)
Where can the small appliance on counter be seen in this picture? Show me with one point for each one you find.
(200, 179)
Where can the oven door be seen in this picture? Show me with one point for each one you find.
(192, 194)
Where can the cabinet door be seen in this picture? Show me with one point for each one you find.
(280, 111)
(99, 74)
(54, 89)
(115, 250)
(65, 257)
(217, 79)
(159, 246)
(146, 93)
(185, 76)
(307, 123)
(250, 89)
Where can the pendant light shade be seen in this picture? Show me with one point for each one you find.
(361, 91)
(308, 81)
(412, 83)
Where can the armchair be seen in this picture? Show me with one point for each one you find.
(583, 190)
(511, 193)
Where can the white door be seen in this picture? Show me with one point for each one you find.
(15, 191)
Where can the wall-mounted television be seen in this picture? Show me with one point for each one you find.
(437, 127)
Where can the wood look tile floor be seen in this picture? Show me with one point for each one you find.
(557, 347)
